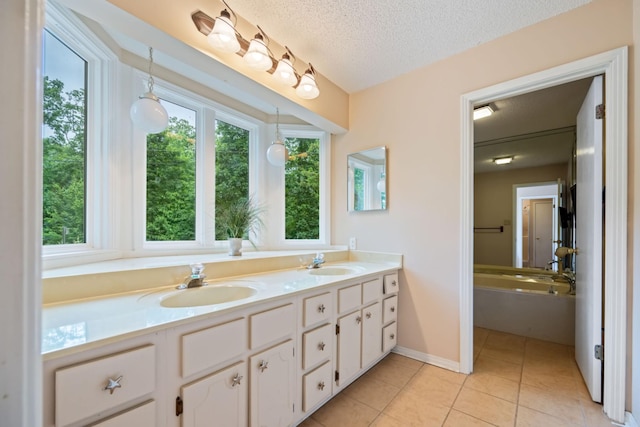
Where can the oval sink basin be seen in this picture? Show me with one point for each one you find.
(332, 271)
(206, 295)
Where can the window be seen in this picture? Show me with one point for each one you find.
(302, 189)
(232, 168)
(171, 178)
(64, 143)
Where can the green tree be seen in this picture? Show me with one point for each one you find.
(302, 189)
(171, 182)
(232, 169)
(63, 215)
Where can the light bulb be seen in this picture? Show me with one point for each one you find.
(285, 73)
(382, 185)
(148, 114)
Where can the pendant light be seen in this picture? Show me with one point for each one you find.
(307, 88)
(277, 154)
(285, 73)
(147, 113)
(223, 35)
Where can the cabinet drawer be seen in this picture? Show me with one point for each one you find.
(271, 325)
(316, 346)
(144, 415)
(316, 386)
(390, 309)
(349, 298)
(80, 389)
(391, 283)
(211, 346)
(316, 309)
(389, 336)
(371, 290)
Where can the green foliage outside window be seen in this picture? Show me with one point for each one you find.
(302, 189)
(63, 169)
(171, 182)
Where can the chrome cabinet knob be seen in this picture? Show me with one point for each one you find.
(321, 385)
(112, 384)
(393, 309)
(321, 346)
(321, 308)
(394, 283)
(358, 319)
(263, 365)
(236, 380)
(392, 336)
(368, 315)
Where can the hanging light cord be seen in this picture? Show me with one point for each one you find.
(278, 126)
(150, 80)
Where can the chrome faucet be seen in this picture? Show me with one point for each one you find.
(570, 277)
(196, 279)
(317, 261)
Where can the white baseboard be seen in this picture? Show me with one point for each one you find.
(428, 358)
(630, 421)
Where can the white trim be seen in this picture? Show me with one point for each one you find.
(614, 64)
(441, 362)
(630, 421)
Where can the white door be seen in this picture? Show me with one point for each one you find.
(371, 333)
(349, 342)
(542, 215)
(589, 240)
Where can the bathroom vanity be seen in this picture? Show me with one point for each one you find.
(271, 358)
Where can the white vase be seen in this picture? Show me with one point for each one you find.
(235, 246)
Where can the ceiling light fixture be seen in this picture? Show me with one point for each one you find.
(307, 88)
(277, 153)
(482, 112)
(257, 56)
(285, 73)
(223, 36)
(503, 160)
(147, 113)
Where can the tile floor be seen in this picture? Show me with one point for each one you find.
(517, 381)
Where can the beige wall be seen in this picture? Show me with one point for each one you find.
(493, 204)
(417, 117)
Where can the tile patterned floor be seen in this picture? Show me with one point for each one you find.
(517, 381)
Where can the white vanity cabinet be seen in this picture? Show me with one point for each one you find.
(359, 334)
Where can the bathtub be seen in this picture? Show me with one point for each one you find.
(524, 302)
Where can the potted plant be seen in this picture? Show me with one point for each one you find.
(239, 219)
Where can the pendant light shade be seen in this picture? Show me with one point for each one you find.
(277, 153)
(285, 73)
(257, 56)
(223, 35)
(147, 113)
(307, 88)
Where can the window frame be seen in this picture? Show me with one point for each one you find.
(100, 100)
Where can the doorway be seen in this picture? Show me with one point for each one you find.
(613, 65)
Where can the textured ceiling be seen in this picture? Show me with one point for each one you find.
(360, 43)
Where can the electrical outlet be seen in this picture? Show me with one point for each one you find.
(353, 243)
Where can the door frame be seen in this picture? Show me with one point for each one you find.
(613, 64)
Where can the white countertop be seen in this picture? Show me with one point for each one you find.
(76, 325)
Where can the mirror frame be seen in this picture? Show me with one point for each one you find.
(370, 158)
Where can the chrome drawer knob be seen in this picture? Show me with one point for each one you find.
(236, 380)
(321, 346)
(112, 384)
(321, 385)
(368, 315)
(321, 308)
(394, 283)
(263, 365)
(392, 336)
(358, 319)
(393, 309)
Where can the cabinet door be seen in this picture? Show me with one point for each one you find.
(348, 346)
(272, 386)
(221, 396)
(143, 415)
(371, 336)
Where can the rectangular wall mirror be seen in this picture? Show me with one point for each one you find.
(367, 180)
